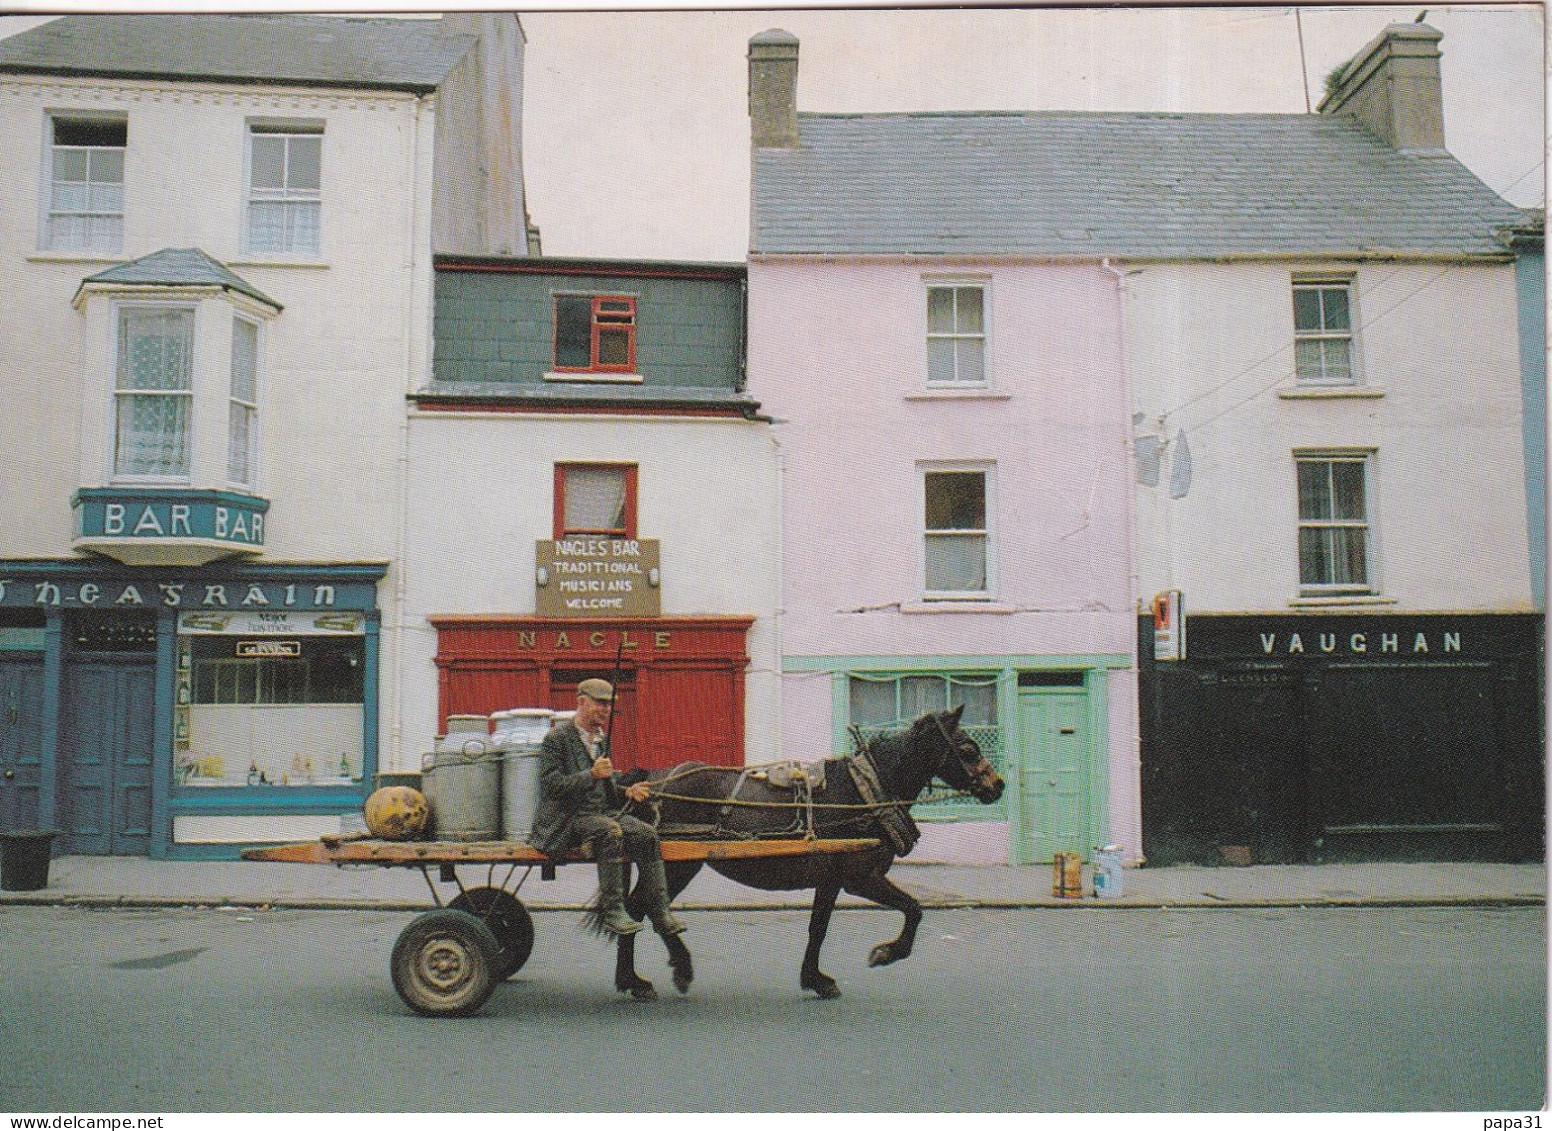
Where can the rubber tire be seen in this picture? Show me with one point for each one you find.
(508, 920)
(444, 964)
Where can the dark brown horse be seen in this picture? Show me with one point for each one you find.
(695, 796)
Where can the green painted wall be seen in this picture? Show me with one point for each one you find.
(499, 327)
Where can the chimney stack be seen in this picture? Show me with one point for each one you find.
(773, 89)
(1392, 88)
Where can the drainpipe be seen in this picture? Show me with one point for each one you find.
(1133, 574)
(401, 507)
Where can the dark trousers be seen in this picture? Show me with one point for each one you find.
(615, 838)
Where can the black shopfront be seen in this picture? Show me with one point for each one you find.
(1306, 738)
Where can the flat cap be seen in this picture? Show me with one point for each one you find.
(599, 689)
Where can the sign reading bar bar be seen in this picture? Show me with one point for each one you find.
(597, 577)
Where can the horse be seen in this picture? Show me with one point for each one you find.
(903, 763)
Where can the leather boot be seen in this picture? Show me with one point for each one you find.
(654, 886)
(611, 899)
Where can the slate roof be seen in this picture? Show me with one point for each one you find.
(1140, 185)
(293, 49)
(178, 267)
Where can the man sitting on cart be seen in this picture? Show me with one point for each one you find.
(582, 799)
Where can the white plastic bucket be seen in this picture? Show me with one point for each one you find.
(1107, 871)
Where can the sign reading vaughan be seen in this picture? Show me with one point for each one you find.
(597, 577)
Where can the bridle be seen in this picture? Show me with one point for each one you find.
(979, 777)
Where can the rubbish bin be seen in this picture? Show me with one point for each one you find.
(24, 859)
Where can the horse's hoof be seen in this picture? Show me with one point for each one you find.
(823, 985)
(682, 980)
(883, 954)
(639, 988)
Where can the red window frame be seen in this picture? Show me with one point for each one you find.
(559, 519)
(600, 320)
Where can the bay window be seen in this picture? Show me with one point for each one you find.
(243, 410)
(153, 392)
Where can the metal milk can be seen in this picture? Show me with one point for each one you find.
(518, 734)
(463, 781)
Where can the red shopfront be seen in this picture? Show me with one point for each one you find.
(681, 681)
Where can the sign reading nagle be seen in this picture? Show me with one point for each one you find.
(587, 576)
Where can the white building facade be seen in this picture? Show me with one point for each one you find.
(217, 252)
(1331, 500)
(593, 494)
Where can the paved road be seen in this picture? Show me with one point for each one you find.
(1104, 1009)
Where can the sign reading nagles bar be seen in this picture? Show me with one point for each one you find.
(597, 577)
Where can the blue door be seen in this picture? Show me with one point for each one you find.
(21, 741)
(105, 758)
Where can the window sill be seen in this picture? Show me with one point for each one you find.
(75, 257)
(958, 395)
(277, 261)
(957, 605)
(1312, 601)
(601, 378)
(1330, 392)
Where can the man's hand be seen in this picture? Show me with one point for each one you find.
(638, 792)
(602, 768)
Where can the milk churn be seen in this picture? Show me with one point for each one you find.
(1107, 871)
(463, 781)
(1067, 876)
(518, 734)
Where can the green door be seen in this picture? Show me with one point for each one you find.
(1056, 784)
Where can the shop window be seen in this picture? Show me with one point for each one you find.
(956, 334)
(884, 702)
(1334, 532)
(595, 334)
(153, 392)
(284, 712)
(1323, 331)
(956, 536)
(595, 498)
(285, 182)
(86, 185)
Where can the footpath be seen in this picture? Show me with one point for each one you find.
(130, 881)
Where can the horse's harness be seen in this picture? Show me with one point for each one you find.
(805, 780)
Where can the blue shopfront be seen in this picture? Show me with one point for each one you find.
(185, 712)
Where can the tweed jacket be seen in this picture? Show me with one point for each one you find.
(567, 787)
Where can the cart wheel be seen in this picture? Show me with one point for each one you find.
(507, 919)
(444, 964)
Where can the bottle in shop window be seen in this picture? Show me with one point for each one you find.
(254, 777)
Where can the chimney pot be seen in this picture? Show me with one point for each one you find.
(1392, 88)
(773, 89)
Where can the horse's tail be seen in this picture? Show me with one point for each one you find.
(593, 919)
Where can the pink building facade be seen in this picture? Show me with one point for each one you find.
(956, 521)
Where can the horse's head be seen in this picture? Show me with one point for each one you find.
(960, 761)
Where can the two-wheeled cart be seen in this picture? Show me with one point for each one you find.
(447, 962)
